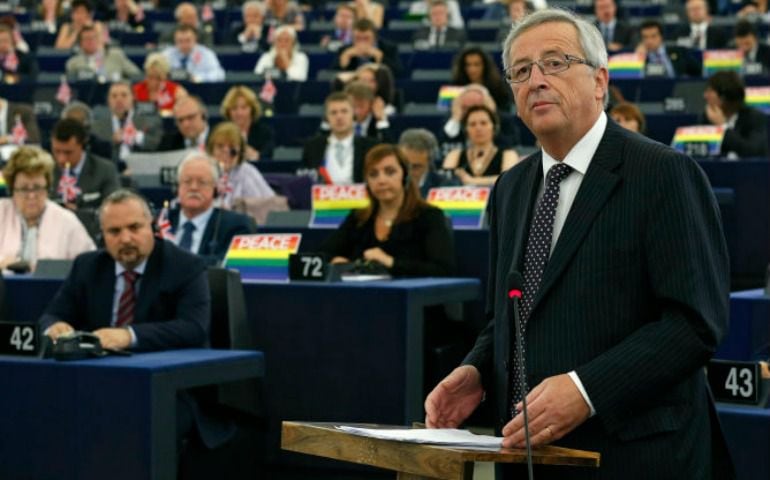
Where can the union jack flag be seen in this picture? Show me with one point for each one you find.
(11, 62)
(129, 132)
(164, 224)
(139, 14)
(19, 132)
(224, 190)
(207, 13)
(64, 93)
(68, 186)
(268, 91)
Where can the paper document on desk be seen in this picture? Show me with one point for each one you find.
(436, 436)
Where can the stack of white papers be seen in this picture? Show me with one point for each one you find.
(436, 436)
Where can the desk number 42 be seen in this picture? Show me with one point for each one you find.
(22, 337)
(740, 382)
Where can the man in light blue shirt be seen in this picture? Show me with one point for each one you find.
(200, 62)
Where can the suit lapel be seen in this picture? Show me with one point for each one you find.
(208, 233)
(173, 217)
(104, 302)
(596, 188)
(150, 285)
(524, 194)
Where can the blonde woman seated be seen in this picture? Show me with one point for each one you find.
(241, 106)
(284, 60)
(239, 178)
(481, 162)
(156, 87)
(31, 226)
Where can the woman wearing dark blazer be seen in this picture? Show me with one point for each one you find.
(398, 229)
(241, 106)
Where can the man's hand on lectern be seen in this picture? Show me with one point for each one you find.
(454, 398)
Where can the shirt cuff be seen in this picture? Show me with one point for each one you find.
(576, 380)
(134, 342)
(452, 128)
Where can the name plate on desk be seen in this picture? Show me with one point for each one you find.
(263, 257)
(759, 98)
(19, 339)
(312, 267)
(698, 140)
(332, 203)
(718, 60)
(735, 382)
(465, 206)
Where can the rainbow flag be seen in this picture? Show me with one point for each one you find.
(263, 257)
(465, 206)
(759, 98)
(626, 65)
(446, 94)
(716, 60)
(332, 203)
(698, 140)
(3, 186)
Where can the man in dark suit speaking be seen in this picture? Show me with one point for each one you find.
(139, 292)
(625, 285)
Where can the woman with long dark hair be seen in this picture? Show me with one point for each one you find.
(398, 229)
(473, 65)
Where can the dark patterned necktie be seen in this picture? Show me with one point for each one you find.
(536, 256)
(127, 300)
(185, 243)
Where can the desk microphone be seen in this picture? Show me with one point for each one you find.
(515, 284)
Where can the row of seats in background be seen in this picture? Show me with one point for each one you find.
(297, 110)
(396, 19)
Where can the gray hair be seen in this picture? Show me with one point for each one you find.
(79, 111)
(419, 139)
(292, 33)
(253, 4)
(591, 41)
(122, 195)
(198, 157)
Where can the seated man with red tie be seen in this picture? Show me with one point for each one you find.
(143, 294)
(137, 293)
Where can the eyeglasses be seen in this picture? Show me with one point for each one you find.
(197, 182)
(549, 65)
(35, 189)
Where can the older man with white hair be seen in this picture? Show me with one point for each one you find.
(199, 226)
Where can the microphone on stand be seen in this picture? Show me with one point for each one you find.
(515, 284)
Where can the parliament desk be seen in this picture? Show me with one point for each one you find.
(112, 417)
(749, 335)
(340, 352)
(747, 431)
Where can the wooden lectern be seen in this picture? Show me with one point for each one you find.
(413, 461)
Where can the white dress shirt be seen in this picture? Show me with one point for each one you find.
(200, 222)
(579, 158)
(340, 169)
